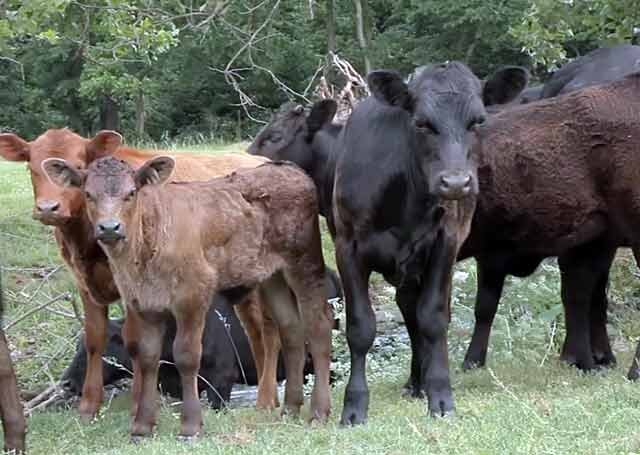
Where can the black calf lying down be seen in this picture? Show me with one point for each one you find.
(223, 363)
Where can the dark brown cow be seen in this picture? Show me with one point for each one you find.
(174, 247)
(13, 422)
(64, 208)
(559, 178)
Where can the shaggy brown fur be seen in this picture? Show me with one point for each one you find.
(572, 163)
(13, 422)
(75, 235)
(180, 244)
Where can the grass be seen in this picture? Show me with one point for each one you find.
(525, 401)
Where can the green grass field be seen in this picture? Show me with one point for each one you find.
(525, 401)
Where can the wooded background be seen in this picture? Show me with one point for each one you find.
(175, 69)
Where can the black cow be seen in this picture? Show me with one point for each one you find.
(307, 139)
(226, 355)
(405, 187)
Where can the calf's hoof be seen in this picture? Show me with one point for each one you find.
(188, 439)
(412, 390)
(472, 362)
(356, 405)
(87, 412)
(290, 411)
(634, 374)
(441, 403)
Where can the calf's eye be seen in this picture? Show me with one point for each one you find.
(425, 126)
(130, 195)
(476, 122)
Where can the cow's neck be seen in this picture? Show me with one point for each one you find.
(79, 237)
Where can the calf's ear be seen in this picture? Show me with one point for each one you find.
(321, 113)
(155, 172)
(62, 174)
(389, 88)
(504, 85)
(13, 147)
(105, 143)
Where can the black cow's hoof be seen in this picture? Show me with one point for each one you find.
(356, 405)
(469, 365)
(634, 374)
(581, 362)
(605, 359)
(441, 403)
(412, 390)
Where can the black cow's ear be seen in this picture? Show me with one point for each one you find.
(60, 173)
(504, 85)
(321, 113)
(389, 88)
(155, 172)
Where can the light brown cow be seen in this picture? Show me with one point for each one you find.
(13, 422)
(173, 247)
(64, 208)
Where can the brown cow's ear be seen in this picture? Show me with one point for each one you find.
(155, 172)
(105, 143)
(63, 174)
(13, 147)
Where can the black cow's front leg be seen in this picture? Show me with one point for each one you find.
(406, 298)
(490, 284)
(361, 329)
(600, 345)
(433, 320)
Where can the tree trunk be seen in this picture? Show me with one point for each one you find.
(331, 26)
(109, 114)
(362, 36)
(140, 114)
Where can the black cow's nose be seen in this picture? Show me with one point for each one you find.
(47, 207)
(109, 230)
(455, 185)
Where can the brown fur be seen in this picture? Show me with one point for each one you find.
(13, 421)
(187, 241)
(559, 178)
(75, 237)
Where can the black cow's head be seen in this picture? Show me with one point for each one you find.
(290, 133)
(446, 103)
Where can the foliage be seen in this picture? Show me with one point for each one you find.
(553, 30)
(174, 69)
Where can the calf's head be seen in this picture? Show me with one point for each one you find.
(445, 105)
(56, 205)
(289, 134)
(110, 188)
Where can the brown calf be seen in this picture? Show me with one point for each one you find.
(13, 422)
(64, 208)
(173, 247)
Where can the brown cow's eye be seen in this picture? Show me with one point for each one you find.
(425, 126)
(88, 196)
(130, 195)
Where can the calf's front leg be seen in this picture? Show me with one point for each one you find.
(187, 352)
(95, 339)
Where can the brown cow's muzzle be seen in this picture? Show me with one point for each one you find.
(110, 231)
(49, 212)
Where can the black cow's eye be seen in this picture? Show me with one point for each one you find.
(425, 126)
(476, 122)
(276, 137)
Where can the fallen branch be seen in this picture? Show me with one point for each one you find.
(64, 295)
(44, 398)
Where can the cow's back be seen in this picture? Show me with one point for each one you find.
(549, 170)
